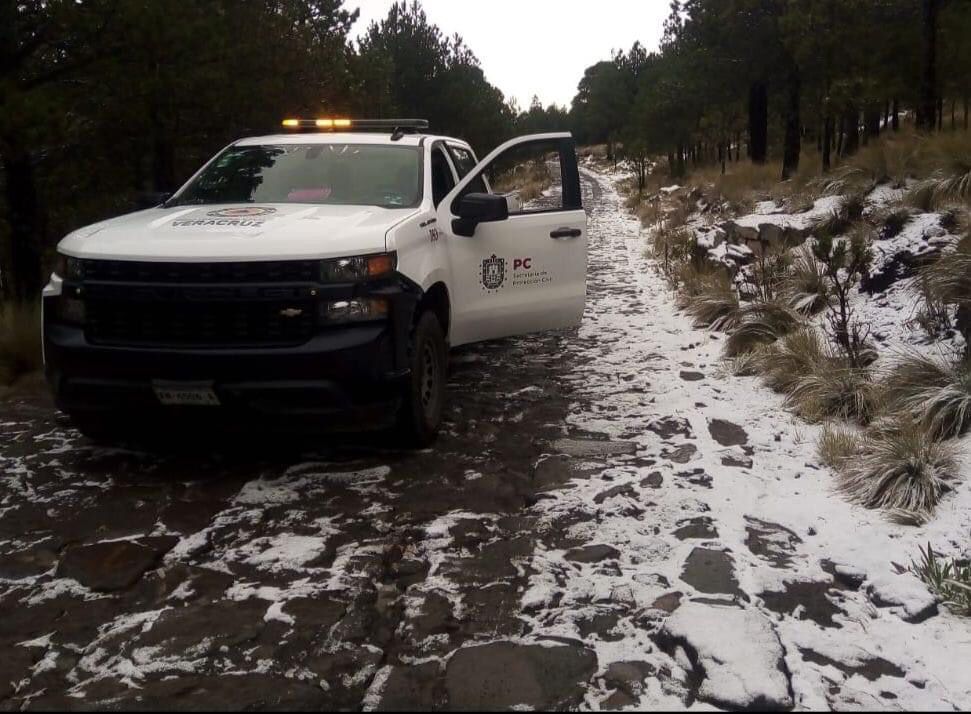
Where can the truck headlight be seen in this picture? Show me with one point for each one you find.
(68, 268)
(357, 269)
(342, 312)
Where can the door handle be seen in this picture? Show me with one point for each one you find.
(561, 233)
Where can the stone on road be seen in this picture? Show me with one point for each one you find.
(735, 653)
(108, 566)
(503, 675)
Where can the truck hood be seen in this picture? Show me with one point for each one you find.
(237, 232)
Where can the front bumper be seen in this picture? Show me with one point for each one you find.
(348, 374)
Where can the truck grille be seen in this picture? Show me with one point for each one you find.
(199, 305)
(130, 271)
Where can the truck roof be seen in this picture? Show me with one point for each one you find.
(342, 138)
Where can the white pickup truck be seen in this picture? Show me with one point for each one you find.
(321, 272)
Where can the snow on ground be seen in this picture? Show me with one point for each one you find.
(822, 208)
(607, 521)
(648, 368)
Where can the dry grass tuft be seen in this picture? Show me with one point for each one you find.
(712, 301)
(760, 324)
(837, 446)
(901, 468)
(20, 350)
(934, 392)
(785, 362)
(834, 389)
(806, 288)
(949, 279)
(894, 222)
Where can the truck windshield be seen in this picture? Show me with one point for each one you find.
(342, 174)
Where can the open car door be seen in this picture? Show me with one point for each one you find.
(518, 252)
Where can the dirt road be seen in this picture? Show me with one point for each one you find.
(607, 521)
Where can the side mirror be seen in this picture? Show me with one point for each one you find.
(476, 208)
(151, 199)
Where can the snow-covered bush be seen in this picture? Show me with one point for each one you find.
(836, 446)
(712, 301)
(900, 468)
(948, 281)
(783, 363)
(846, 261)
(806, 288)
(834, 389)
(761, 323)
(934, 391)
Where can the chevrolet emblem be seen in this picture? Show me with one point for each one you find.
(291, 312)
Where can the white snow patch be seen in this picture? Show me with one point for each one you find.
(738, 651)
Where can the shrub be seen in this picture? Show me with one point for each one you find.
(764, 279)
(833, 225)
(900, 468)
(761, 323)
(846, 261)
(848, 178)
(20, 350)
(949, 279)
(894, 222)
(921, 196)
(806, 287)
(942, 190)
(949, 580)
(933, 315)
(834, 389)
(837, 446)
(673, 249)
(954, 220)
(747, 364)
(783, 363)
(712, 302)
(933, 392)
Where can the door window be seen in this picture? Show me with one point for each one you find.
(535, 176)
(442, 179)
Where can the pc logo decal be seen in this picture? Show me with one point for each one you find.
(493, 273)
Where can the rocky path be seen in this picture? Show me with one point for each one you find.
(607, 522)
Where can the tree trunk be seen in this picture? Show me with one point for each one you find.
(954, 115)
(724, 149)
(927, 108)
(940, 113)
(738, 146)
(895, 118)
(827, 140)
(758, 122)
(22, 278)
(851, 127)
(872, 121)
(965, 112)
(792, 143)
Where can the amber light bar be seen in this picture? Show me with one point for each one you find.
(329, 124)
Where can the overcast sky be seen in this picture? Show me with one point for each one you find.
(539, 47)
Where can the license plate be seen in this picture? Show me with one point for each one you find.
(185, 395)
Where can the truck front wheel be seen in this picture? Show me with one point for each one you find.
(424, 391)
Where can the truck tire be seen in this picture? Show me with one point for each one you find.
(424, 391)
